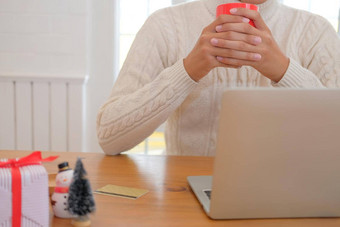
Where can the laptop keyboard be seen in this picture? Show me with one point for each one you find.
(208, 193)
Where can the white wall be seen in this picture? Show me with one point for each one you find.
(43, 37)
(61, 38)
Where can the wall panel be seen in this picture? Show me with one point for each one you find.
(7, 123)
(41, 116)
(23, 114)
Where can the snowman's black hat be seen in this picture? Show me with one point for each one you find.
(63, 166)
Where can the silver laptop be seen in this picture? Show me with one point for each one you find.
(278, 156)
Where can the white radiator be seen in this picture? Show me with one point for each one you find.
(41, 113)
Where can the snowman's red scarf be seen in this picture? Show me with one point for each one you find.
(61, 189)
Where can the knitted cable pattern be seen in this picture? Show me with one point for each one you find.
(154, 87)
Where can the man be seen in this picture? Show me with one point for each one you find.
(183, 58)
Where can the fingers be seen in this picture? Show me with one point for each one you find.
(223, 19)
(244, 28)
(232, 44)
(233, 63)
(252, 15)
(238, 55)
(220, 63)
(222, 39)
(237, 46)
(235, 49)
(238, 43)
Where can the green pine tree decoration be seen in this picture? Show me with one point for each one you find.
(80, 201)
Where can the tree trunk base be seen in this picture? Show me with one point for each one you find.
(81, 221)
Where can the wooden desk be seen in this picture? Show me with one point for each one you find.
(170, 201)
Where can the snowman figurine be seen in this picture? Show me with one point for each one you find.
(60, 195)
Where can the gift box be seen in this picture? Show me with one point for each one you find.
(24, 192)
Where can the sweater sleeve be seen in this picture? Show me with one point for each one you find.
(319, 53)
(150, 86)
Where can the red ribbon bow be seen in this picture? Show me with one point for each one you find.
(14, 164)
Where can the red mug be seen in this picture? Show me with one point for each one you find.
(225, 9)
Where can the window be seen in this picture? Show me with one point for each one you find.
(329, 9)
(133, 15)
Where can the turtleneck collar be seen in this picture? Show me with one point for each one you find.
(266, 9)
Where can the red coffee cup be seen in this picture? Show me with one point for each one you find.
(225, 9)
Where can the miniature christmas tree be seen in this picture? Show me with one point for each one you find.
(80, 200)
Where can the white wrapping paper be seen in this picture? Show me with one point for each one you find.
(34, 202)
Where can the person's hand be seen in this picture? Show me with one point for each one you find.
(270, 60)
(203, 58)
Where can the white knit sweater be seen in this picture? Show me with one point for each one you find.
(153, 86)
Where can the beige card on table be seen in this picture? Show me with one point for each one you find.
(126, 192)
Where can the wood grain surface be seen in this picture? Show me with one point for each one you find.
(169, 202)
